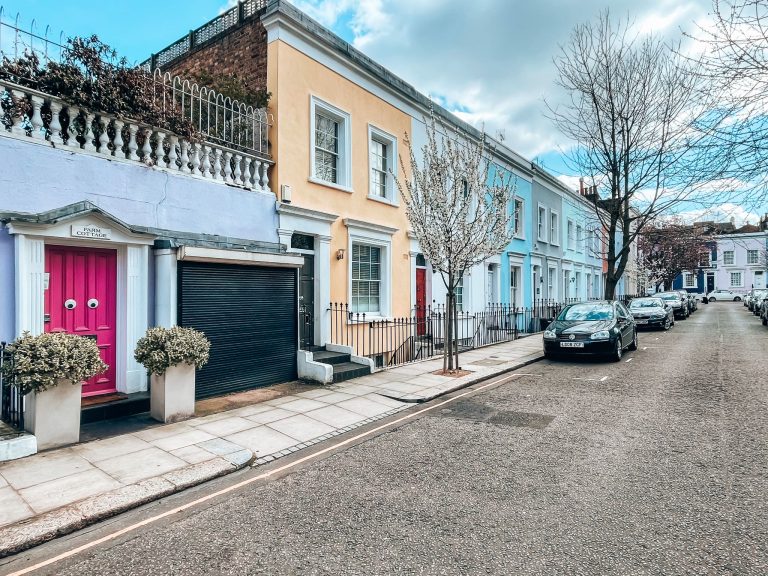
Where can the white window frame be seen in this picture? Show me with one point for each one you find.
(554, 227)
(686, 283)
(344, 166)
(551, 282)
(380, 237)
(579, 238)
(458, 293)
(570, 230)
(542, 222)
(756, 253)
(515, 285)
(741, 279)
(390, 141)
(519, 224)
(727, 253)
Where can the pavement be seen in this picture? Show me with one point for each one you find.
(59, 491)
(656, 465)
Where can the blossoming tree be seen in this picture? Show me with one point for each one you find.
(458, 204)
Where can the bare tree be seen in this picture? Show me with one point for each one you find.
(458, 205)
(735, 68)
(633, 112)
(670, 247)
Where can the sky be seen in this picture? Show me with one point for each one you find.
(489, 61)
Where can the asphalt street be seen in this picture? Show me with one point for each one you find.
(654, 465)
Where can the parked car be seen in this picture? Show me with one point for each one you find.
(603, 327)
(716, 295)
(675, 301)
(689, 300)
(764, 311)
(652, 313)
(756, 300)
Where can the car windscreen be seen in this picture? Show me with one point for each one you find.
(646, 303)
(669, 296)
(587, 312)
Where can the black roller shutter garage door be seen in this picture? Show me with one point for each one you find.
(249, 313)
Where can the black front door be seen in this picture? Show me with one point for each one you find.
(710, 282)
(307, 302)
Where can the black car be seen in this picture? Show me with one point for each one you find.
(604, 327)
(652, 313)
(675, 301)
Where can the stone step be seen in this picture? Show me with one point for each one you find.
(328, 357)
(349, 370)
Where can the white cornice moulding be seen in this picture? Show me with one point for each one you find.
(198, 254)
(369, 227)
(306, 212)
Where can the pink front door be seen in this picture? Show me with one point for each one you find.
(81, 299)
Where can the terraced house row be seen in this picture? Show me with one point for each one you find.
(275, 246)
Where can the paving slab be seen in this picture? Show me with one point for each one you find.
(262, 440)
(136, 466)
(268, 416)
(225, 426)
(192, 436)
(13, 507)
(302, 405)
(43, 468)
(364, 406)
(336, 416)
(193, 454)
(57, 493)
(111, 447)
(301, 427)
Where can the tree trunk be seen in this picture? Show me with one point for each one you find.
(610, 287)
(456, 327)
(449, 341)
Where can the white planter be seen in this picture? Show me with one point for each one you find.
(53, 415)
(172, 396)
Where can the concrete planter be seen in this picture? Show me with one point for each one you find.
(53, 415)
(172, 397)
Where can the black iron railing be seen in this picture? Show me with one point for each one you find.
(11, 399)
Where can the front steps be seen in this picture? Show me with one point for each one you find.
(341, 363)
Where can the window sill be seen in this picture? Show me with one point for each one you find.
(369, 317)
(330, 185)
(386, 201)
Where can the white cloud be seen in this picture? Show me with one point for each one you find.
(721, 213)
(490, 60)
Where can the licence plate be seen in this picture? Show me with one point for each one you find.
(641, 321)
(571, 344)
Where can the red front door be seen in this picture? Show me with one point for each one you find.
(81, 299)
(421, 301)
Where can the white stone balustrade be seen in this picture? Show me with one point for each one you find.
(54, 121)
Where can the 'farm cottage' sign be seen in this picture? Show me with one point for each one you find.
(91, 232)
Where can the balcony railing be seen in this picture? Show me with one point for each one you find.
(71, 128)
(210, 29)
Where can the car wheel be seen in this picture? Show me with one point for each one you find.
(713, 299)
(737, 299)
(618, 351)
(667, 324)
(633, 345)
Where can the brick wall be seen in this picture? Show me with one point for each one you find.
(240, 51)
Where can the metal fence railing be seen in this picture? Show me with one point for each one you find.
(210, 29)
(216, 118)
(11, 399)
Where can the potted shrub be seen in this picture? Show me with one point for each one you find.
(49, 369)
(171, 356)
